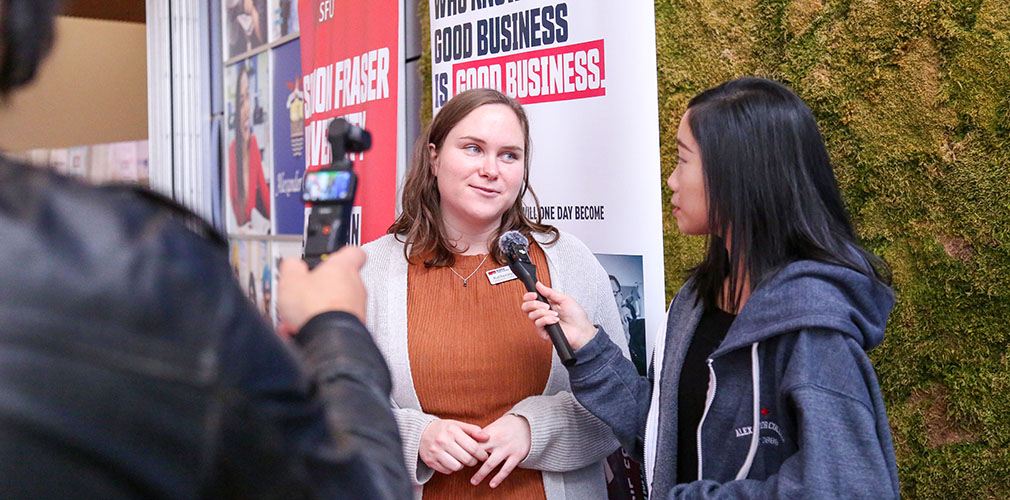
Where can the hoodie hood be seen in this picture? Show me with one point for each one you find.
(811, 294)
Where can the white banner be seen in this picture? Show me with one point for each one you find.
(586, 74)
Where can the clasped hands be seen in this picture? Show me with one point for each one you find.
(449, 445)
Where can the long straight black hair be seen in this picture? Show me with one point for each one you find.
(771, 190)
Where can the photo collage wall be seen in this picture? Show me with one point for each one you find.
(263, 153)
(118, 162)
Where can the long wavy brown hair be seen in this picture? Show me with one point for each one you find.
(420, 223)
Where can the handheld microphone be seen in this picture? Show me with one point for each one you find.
(515, 246)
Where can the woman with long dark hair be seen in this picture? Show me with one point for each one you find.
(483, 405)
(247, 184)
(762, 387)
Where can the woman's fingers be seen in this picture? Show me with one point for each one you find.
(469, 439)
(443, 463)
(474, 431)
(562, 310)
(447, 445)
(541, 318)
(510, 465)
(549, 293)
(537, 310)
(460, 455)
(489, 465)
(509, 444)
(533, 305)
(538, 313)
(549, 319)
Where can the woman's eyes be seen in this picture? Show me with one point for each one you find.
(508, 156)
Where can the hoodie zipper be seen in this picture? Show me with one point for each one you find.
(645, 435)
(708, 404)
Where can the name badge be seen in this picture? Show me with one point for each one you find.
(500, 275)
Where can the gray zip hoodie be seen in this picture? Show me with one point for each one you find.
(791, 366)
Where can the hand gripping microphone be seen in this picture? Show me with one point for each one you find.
(515, 246)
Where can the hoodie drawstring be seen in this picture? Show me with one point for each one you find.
(755, 370)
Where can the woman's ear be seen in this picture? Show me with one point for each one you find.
(433, 159)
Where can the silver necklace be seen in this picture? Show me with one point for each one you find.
(471, 274)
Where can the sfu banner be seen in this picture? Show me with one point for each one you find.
(351, 69)
(585, 71)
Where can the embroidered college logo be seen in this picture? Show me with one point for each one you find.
(765, 425)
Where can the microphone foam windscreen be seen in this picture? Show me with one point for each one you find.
(512, 239)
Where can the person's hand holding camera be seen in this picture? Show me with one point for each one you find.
(334, 285)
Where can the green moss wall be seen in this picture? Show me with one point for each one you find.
(913, 97)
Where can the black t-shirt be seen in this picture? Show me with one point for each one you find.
(693, 388)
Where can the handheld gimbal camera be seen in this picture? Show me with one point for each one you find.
(330, 193)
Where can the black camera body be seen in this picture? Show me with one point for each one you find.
(330, 193)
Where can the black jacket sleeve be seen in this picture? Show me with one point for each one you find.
(308, 423)
(354, 384)
(179, 388)
(286, 424)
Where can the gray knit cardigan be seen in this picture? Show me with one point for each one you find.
(569, 444)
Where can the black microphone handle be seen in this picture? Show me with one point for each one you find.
(554, 331)
(561, 344)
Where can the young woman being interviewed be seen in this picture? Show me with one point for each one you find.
(762, 386)
(475, 393)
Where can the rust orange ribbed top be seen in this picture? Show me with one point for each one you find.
(473, 355)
